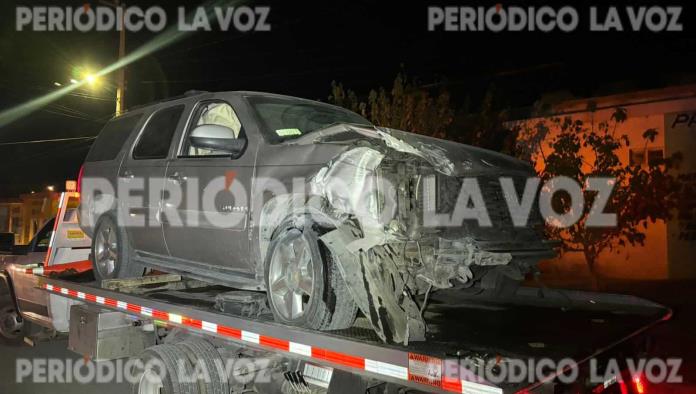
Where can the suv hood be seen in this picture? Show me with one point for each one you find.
(448, 158)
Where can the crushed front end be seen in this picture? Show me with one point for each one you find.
(413, 217)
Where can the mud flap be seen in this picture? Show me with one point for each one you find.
(376, 287)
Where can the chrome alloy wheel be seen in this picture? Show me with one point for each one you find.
(106, 250)
(291, 275)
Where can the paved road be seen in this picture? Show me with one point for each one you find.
(13, 357)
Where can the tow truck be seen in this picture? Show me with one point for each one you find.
(185, 324)
(59, 245)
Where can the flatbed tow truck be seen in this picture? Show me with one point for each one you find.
(467, 334)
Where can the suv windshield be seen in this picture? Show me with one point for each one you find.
(286, 119)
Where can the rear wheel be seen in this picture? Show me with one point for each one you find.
(111, 252)
(206, 359)
(303, 283)
(164, 369)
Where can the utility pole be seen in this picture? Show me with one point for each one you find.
(121, 78)
(121, 72)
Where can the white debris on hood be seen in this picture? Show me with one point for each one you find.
(349, 185)
(348, 182)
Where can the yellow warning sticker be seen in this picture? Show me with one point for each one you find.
(76, 234)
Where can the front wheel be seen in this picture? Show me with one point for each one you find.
(304, 285)
(111, 252)
(13, 328)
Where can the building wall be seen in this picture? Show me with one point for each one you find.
(680, 128)
(11, 218)
(4, 218)
(25, 216)
(669, 248)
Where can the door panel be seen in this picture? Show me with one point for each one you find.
(210, 224)
(141, 180)
(206, 199)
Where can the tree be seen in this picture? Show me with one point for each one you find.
(485, 126)
(641, 193)
(407, 106)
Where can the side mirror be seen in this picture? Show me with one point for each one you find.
(217, 138)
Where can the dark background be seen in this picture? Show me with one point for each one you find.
(362, 44)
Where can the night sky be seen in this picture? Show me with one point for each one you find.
(363, 44)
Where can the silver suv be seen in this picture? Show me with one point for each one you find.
(327, 213)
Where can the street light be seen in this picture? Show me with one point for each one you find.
(50, 188)
(84, 75)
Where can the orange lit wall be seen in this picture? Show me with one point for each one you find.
(663, 256)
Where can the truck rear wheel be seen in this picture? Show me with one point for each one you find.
(203, 354)
(303, 283)
(164, 369)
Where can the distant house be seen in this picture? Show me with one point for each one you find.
(670, 248)
(25, 215)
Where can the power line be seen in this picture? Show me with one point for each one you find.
(68, 109)
(66, 114)
(44, 141)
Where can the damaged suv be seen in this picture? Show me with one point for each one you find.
(328, 214)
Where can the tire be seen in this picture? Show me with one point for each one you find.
(327, 303)
(119, 251)
(13, 328)
(202, 353)
(498, 284)
(159, 372)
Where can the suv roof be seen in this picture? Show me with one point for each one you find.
(201, 93)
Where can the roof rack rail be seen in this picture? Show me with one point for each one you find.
(188, 93)
(194, 92)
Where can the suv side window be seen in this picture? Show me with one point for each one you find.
(111, 138)
(157, 137)
(217, 113)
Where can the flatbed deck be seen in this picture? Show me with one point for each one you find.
(535, 324)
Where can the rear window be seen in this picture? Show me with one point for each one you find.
(112, 137)
(157, 136)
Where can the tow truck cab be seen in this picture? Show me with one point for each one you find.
(58, 241)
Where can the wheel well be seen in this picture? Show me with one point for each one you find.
(7, 289)
(110, 214)
(290, 222)
(113, 215)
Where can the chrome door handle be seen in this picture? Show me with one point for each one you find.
(127, 174)
(177, 178)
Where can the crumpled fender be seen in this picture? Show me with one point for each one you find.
(376, 286)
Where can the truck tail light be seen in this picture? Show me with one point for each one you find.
(638, 384)
(79, 178)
